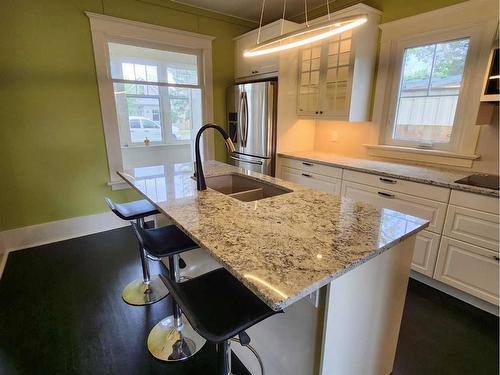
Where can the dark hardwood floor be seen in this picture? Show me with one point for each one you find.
(61, 312)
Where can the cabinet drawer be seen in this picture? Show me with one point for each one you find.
(309, 166)
(312, 180)
(424, 208)
(469, 268)
(475, 227)
(425, 253)
(474, 201)
(402, 186)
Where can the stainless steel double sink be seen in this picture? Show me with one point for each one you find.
(244, 188)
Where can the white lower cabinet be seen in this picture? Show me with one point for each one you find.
(470, 268)
(425, 252)
(313, 180)
(425, 208)
(427, 242)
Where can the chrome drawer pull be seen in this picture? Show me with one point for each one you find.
(387, 195)
(308, 164)
(306, 175)
(387, 180)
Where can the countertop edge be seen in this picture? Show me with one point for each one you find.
(454, 186)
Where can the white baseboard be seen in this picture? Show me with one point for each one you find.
(474, 301)
(54, 231)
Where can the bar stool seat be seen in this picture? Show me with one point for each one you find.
(219, 307)
(166, 241)
(132, 210)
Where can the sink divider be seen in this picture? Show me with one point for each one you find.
(248, 195)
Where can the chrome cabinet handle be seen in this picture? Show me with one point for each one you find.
(387, 180)
(387, 195)
(246, 161)
(496, 258)
(306, 175)
(307, 164)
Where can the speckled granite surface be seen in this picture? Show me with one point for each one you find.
(445, 177)
(283, 247)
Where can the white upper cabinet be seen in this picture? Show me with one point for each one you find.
(266, 65)
(336, 74)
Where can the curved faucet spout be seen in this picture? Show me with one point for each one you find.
(200, 177)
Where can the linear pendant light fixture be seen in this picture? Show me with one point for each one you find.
(309, 34)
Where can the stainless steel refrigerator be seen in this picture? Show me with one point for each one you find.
(251, 118)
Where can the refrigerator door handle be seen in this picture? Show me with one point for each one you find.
(240, 119)
(257, 162)
(244, 122)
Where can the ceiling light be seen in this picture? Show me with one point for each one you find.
(305, 36)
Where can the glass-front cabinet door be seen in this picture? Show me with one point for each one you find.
(337, 82)
(325, 78)
(309, 80)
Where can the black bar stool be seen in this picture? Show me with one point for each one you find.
(173, 338)
(219, 307)
(150, 289)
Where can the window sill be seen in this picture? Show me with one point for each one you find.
(118, 185)
(422, 155)
(156, 145)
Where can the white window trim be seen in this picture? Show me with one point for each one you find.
(106, 28)
(475, 18)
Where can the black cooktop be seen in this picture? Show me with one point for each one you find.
(489, 181)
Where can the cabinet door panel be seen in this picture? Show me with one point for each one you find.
(308, 166)
(425, 253)
(309, 80)
(407, 204)
(475, 227)
(314, 181)
(470, 268)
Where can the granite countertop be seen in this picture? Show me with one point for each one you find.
(283, 247)
(444, 177)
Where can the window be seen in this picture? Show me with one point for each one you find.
(155, 90)
(429, 84)
(160, 89)
(429, 89)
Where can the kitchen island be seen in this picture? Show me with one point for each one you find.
(287, 246)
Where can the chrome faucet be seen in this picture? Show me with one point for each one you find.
(200, 177)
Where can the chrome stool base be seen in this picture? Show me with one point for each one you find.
(169, 343)
(137, 294)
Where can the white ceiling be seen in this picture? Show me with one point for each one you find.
(250, 9)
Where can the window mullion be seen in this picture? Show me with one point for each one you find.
(432, 70)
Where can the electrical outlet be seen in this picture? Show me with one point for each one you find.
(313, 298)
(334, 137)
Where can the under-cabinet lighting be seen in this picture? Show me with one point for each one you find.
(305, 36)
(495, 77)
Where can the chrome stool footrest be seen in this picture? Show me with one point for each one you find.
(138, 293)
(169, 343)
(173, 339)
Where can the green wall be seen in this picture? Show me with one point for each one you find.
(52, 154)
(392, 9)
